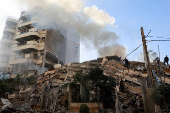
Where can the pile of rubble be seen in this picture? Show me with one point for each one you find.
(54, 83)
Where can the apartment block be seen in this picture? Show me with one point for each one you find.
(6, 44)
(33, 46)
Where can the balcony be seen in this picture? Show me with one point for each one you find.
(4, 65)
(28, 47)
(12, 20)
(6, 40)
(27, 23)
(25, 60)
(10, 30)
(28, 35)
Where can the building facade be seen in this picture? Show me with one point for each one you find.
(32, 46)
(6, 44)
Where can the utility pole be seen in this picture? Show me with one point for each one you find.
(159, 66)
(147, 61)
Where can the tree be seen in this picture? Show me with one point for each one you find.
(160, 96)
(105, 84)
(31, 79)
(83, 80)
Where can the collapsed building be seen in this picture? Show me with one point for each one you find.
(27, 45)
(53, 87)
(50, 85)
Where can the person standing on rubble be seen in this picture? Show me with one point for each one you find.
(121, 86)
(134, 100)
(166, 59)
(126, 64)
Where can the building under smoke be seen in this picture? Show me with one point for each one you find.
(28, 45)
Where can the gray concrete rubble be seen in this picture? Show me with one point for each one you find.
(51, 91)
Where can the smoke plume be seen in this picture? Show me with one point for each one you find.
(90, 22)
(152, 56)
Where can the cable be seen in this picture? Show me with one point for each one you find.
(148, 34)
(157, 40)
(133, 50)
(159, 37)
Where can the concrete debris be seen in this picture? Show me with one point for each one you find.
(12, 96)
(6, 104)
(52, 91)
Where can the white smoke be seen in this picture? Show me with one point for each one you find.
(99, 16)
(152, 56)
(90, 22)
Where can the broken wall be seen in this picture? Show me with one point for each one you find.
(56, 42)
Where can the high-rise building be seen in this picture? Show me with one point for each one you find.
(6, 44)
(32, 46)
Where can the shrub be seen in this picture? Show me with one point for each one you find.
(160, 96)
(84, 109)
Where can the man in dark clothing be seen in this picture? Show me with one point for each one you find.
(134, 100)
(127, 64)
(166, 59)
(121, 86)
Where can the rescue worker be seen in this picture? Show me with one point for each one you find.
(134, 99)
(166, 59)
(121, 86)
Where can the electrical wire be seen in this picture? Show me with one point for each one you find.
(157, 40)
(159, 37)
(133, 50)
(142, 44)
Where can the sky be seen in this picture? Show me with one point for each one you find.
(129, 16)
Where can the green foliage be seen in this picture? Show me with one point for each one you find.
(82, 79)
(16, 80)
(31, 79)
(96, 75)
(105, 83)
(84, 109)
(76, 89)
(160, 96)
(98, 79)
(3, 86)
(85, 94)
(79, 76)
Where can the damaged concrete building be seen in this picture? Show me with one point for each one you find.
(35, 46)
(6, 44)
